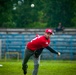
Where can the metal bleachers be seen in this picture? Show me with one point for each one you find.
(62, 42)
(15, 43)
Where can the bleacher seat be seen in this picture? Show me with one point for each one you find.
(63, 43)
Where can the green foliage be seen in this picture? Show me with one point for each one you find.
(37, 25)
(46, 13)
(60, 11)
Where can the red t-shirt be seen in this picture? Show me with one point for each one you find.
(38, 43)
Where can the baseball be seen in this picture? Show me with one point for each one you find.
(59, 54)
(1, 65)
(32, 5)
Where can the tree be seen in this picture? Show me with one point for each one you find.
(60, 11)
(46, 13)
(6, 13)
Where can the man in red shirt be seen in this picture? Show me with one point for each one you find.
(35, 47)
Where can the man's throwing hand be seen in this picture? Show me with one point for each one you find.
(59, 54)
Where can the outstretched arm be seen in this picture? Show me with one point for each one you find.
(52, 50)
(38, 52)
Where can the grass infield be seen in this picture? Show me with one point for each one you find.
(47, 67)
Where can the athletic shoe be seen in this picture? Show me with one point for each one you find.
(25, 72)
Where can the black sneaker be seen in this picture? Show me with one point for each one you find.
(25, 72)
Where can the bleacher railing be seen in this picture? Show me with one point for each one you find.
(16, 42)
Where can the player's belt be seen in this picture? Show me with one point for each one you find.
(30, 49)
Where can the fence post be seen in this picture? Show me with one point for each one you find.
(0, 49)
(71, 50)
(55, 49)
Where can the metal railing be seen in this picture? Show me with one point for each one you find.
(15, 40)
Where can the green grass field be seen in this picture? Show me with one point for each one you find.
(47, 67)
